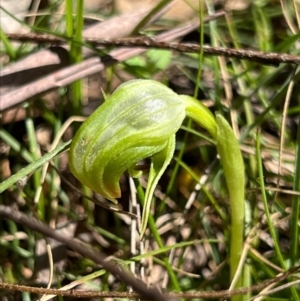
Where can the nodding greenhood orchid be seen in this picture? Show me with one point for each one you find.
(139, 120)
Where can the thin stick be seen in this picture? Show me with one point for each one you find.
(186, 295)
(36, 225)
(90, 66)
(268, 58)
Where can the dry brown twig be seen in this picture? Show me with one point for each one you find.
(186, 295)
(37, 65)
(142, 290)
(36, 225)
(272, 58)
(25, 74)
(89, 66)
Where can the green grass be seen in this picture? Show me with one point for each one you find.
(196, 221)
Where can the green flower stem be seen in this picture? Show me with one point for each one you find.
(233, 166)
(232, 161)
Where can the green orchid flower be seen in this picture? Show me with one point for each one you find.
(139, 120)
(126, 129)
